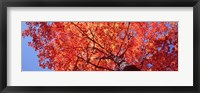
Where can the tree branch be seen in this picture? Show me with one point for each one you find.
(87, 36)
(88, 61)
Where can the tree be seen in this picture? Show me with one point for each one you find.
(109, 46)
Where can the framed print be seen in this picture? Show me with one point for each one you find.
(99, 46)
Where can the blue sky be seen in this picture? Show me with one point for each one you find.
(29, 55)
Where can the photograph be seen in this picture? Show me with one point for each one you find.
(99, 46)
(108, 46)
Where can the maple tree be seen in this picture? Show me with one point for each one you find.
(105, 46)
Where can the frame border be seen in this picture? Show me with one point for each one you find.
(103, 3)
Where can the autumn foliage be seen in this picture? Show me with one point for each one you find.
(105, 46)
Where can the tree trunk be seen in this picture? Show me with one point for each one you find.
(124, 66)
(131, 68)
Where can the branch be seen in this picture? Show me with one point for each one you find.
(101, 67)
(142, 60)
(75, 66)
(81, 31)
(87, 35)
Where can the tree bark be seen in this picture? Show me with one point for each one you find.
(131, 68)
(124, 66)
